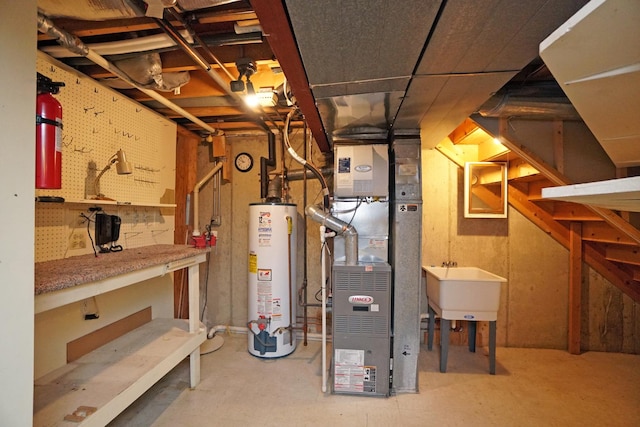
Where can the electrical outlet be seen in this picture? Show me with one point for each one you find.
(78, 239)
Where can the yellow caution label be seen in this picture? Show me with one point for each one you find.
(289, 225)
(253, 263)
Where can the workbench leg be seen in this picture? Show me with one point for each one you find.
(473, 326)
(492, 347)
(194, 322)
(445, 325)
(431, 330)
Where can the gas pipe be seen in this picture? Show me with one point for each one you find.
(48, 134)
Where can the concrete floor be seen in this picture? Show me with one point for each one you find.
(532, 387)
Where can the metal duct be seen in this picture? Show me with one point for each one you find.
(297, 175)
(200, 61)
(91, 10)
(507, 106)
(140, 44)
(146, 70)
(75, 44)
(347, 230)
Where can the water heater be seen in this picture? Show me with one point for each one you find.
(272, 274)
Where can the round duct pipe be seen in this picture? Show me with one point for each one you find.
(540, 101)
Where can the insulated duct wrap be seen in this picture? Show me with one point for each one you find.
(69, 41)
(146, 70)
(91, 10)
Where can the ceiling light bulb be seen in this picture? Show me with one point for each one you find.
(251, 100)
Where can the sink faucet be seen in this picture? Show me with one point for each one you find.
(449, 264)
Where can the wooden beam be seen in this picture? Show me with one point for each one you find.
(610, 271)
(81, 28)
(622, 280)
(543, 219)
(529, 156)
(575, 286)
(535, 188)
(186, 159)
(468, 133)
(604, 233)
(566, 211)
(559, 179)
(518, 168)
(458, 154)
(275, 25)
(623, 254)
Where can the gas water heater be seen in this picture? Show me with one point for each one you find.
(272, 277)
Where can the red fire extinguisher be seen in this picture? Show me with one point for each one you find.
(48, 134)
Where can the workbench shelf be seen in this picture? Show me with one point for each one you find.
(94, 389)
(119, 203)
(111, 377)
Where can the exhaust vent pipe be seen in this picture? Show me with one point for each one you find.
(349, 232)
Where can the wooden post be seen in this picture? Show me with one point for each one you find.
(575, 286)
(186, 159)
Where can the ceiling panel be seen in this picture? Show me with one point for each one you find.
(345, 41)
(398, 84)
(492, 35)
(438, 104)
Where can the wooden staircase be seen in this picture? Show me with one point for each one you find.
(606, 241)
(598, 237)
(608, 250)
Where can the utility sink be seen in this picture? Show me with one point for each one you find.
(463, 293)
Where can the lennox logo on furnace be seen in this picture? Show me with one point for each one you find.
(361, 299)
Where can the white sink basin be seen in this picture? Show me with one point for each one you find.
(463, 293)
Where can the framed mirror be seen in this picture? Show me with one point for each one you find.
(485, 190)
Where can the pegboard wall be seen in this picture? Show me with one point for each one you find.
(97, 122)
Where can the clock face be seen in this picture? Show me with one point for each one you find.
(244, 162)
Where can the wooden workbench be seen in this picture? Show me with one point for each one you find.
(98, 386)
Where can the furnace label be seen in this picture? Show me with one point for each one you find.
(349, 372)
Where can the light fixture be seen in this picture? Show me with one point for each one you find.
(246, 68)
(251, 99)
(123, 167)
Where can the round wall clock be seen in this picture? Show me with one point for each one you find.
(244, 162)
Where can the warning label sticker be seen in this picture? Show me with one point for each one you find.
(264, 274)
(253, 262)
(276, 309)
(265, 229)
(265, 301)
(349, 371)
(406, 207)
